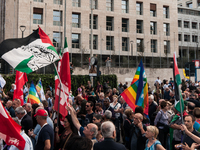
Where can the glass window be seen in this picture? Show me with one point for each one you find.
(154, 46)
(179, 37)
(153, 27)
(57, 39)
(38, 0)
(59, 2)
(76, 20)
(95, 22)
(179, 23)
(75, 40)
(153, 10)
(124, 44)
(186, 24)
(189, 5)
(140, 46)
(76, 3)
(139, 8)
(57, 18)
(194, 25)
(95, 41)
(194, 38)
(124, 25)
(166, 29)
(139, 26)
(37, 15)
(109, 5)
(124, 6)
(166, 11)
(109, 43)
(187, 38)
(94, 3)
(109, 23)
(166, 47)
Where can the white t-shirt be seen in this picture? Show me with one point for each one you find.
(115, 107)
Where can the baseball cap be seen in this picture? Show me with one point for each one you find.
(41, 112)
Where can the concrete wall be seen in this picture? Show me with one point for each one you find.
(127, 74)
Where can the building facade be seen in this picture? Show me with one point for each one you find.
(188, 30)
(124, 30)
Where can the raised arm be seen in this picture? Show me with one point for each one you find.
(74, 118)
(190, 134)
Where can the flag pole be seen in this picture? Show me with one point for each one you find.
(60, 82)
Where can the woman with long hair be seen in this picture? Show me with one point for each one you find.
(161, 121)
(68, 133)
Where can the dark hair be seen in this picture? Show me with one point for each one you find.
(191, 106)
(79, 143)
(196, 112)
(193, 119)
(34, 106)
(98, 125)
(99, 104)
(73, 128)
(45, 103)
(91, 103)
(163, 104)
(98, 116)
(139, 109)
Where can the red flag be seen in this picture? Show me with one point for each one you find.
(20, 80)
(64, 72)
(10, 130)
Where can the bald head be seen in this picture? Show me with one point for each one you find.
(9, 104)
(16, 103)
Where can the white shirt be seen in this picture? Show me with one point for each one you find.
(28, 143)
(116, 107)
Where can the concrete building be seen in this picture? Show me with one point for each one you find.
(123, 30)
(188, 30)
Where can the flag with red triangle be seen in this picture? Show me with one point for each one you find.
(10, 130)
(64, 73)
(20, 80)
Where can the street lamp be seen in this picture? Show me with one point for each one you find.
(22, 28)
(197, 54)
(131, 48)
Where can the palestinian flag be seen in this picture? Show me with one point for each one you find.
(177, 82)
(30, 53)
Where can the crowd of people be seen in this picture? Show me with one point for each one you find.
(100, 119)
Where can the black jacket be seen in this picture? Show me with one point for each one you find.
(27, 123)
(108, 144)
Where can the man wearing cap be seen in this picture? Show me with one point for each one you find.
(46, 134)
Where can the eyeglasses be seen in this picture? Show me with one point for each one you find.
(93, 119)
(87, 105)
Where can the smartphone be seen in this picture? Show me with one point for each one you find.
(179, 146)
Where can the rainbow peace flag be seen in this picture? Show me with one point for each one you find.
(33, 96)
(137, 93)
(40, 90)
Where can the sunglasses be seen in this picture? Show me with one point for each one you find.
(87, 105)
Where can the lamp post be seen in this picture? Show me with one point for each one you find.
(22, 28)
(197, 53)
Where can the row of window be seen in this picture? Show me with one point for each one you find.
(124, 6)
(188, 24)
(187, 38)
(110, 43)
(188, 12)
(76, 23)
(60, 2)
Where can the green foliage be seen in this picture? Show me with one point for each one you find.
(76, 80)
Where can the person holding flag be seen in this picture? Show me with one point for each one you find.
(177, 120)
